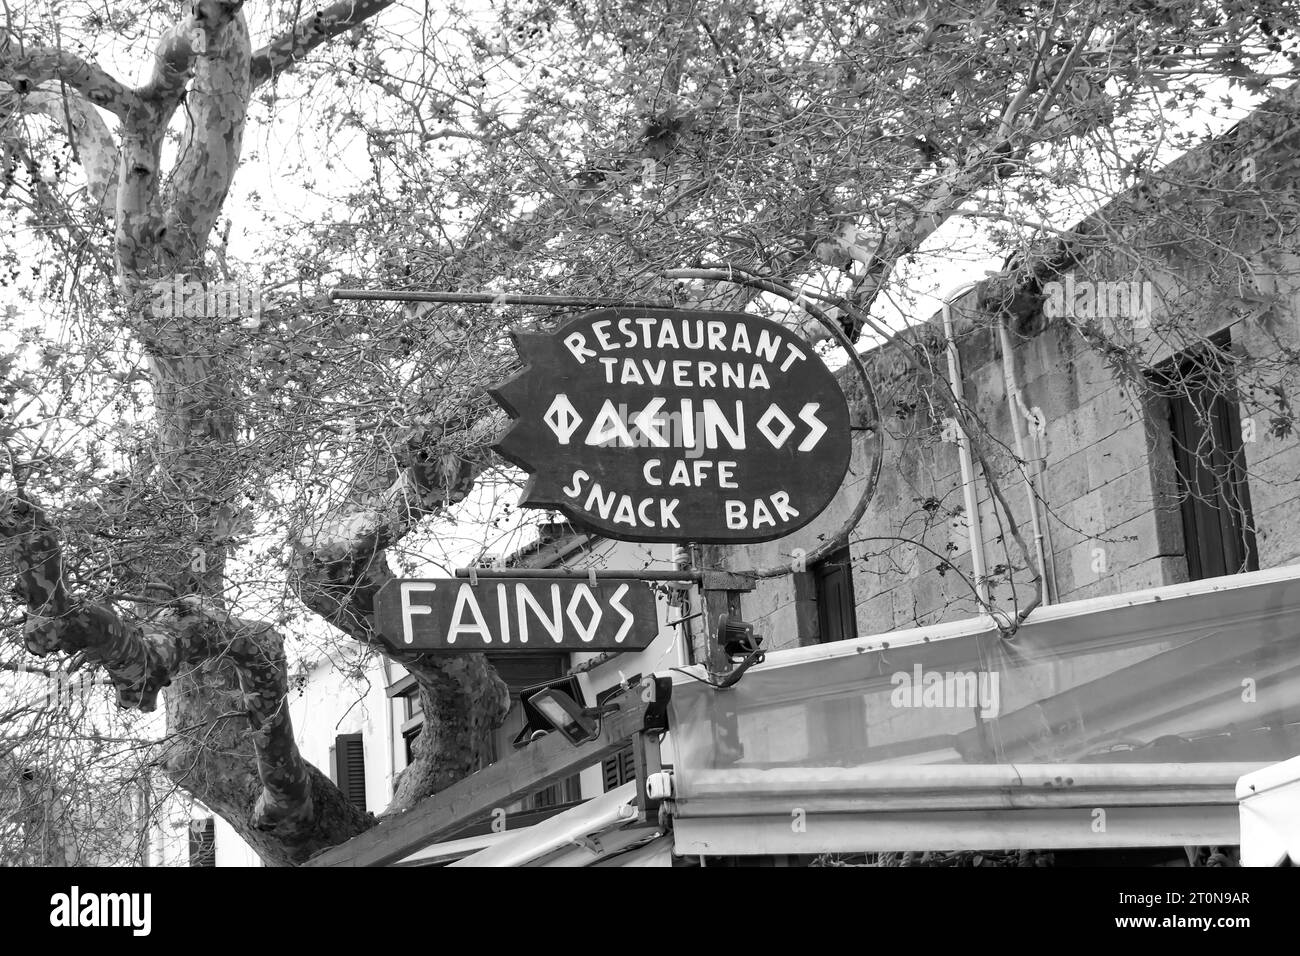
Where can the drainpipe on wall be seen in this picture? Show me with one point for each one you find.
(1016, 403)
(687, 599)
(389, 743)
(969, 496)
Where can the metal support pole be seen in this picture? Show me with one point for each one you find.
(563, 574)
(497, 298)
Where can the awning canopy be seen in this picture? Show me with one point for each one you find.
(1117, 721)
(598, 832)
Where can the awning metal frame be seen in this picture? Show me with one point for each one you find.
(640, 718)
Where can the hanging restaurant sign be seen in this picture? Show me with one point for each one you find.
(676, 425)
(520, 614)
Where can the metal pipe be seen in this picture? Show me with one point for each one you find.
(687, 602)
(963, 452)
(833, 330)
(936, 778)
(496, 298)
(563, 574)
(1016, 405)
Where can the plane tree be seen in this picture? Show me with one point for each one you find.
(174, 462)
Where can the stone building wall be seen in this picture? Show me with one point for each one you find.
(1112, 515)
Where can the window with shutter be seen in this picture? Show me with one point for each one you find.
(838, 725)
(1209, 463)
(203, 842)
(837, 618)
(350, 768)
(520, 670)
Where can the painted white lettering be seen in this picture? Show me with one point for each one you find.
(698, 328)
(808, 415)
(601, 331)
(609, 426)
(586, 632)
(717, 332)
(740, 340)
(616, 603)
(795, 356)
(649, 424)
(625, 514)
(410, 610)
(629, 333)
(574, 488)
(715, 422)
(553, 623)
(562, 418)
(769, 346)
(503, 613)
(466, 601)
(603, 507)
(576, 343)
(666, 516)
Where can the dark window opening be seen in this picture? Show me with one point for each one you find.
(1209, 462)
(837, 618)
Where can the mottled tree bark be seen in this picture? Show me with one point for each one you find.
(230, 740)
(341, 567)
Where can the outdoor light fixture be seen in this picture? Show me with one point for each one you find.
(537, 723)
(737, 637)
(559, 710)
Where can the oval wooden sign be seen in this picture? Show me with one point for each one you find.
(676, 425)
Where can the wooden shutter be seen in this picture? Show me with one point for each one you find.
(350, 768)
(203, 842)
(1209, 463)
(837, 618)
(618, 769)
(520, 669)
(524, 669)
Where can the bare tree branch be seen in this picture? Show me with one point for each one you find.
(284, 51)
(94, 145)
(25, 69)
